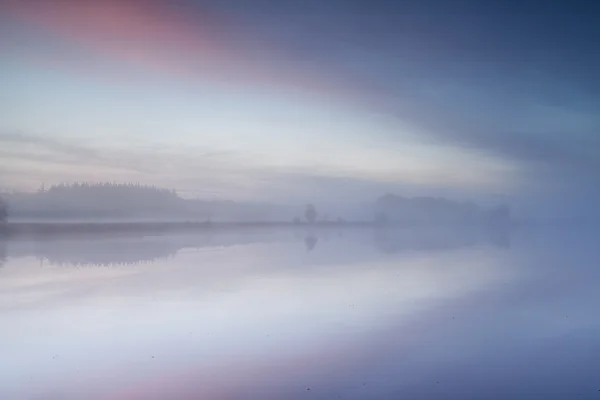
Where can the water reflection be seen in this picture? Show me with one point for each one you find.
(396, 240)
(368, 314)
(132, 249)
(311, 241)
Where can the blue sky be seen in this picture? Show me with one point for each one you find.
(303, 99)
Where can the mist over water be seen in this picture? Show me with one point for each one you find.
(301, 313)
(299, 199)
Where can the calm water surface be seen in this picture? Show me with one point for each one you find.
(302, 315)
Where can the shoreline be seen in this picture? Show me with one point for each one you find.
(12, 229)
(18, 229)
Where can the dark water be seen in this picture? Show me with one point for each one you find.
(302, 315)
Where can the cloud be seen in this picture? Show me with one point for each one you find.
(51, 144)
(472, 93)
(35, 159)
(520, 127)
(196, 171)
(160, 37)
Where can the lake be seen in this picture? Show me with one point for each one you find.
(300, 314)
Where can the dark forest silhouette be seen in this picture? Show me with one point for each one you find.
(100, 200)
(133, 202)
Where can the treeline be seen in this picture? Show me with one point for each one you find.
(397, 209)
(134, 202)
(128, 201)
(94, 200)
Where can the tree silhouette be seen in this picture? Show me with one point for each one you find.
(311, 213)
(3, 210)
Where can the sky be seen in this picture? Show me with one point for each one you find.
(304, 99)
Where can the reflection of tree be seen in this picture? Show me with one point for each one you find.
(103, 252)
(310, 241)
(122, 249)
(129, 249)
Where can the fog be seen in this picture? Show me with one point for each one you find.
(104, 202)
(263, 199)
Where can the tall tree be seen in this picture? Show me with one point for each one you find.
(311, 213)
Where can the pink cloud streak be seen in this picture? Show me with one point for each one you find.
(151, 36)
